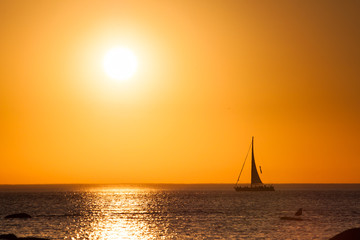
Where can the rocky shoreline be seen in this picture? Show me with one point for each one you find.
(350, 234)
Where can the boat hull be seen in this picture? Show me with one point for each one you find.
(254, 189)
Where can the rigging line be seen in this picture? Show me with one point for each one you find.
(243, 165)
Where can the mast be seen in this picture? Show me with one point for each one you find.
(255, 178)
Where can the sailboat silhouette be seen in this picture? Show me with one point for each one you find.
(256, 183)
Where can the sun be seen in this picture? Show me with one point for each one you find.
(120, 63)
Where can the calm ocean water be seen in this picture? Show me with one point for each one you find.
(213, 211)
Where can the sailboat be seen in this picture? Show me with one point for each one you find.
(256, 183)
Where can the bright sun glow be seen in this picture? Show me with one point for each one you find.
(120, 63)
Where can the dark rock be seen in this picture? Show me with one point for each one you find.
(350, 234)
(291, 218)
(8, 236)
(18, 215)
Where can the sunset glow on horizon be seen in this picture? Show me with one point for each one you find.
(172, 92)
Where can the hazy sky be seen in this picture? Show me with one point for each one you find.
(211, 74)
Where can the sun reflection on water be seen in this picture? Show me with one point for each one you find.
(115, 213)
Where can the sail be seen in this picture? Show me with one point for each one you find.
(255, 178)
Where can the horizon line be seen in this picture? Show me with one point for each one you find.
(159, 183)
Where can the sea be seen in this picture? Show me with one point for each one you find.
(178, 211)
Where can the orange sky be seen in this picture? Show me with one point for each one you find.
(211, 75)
